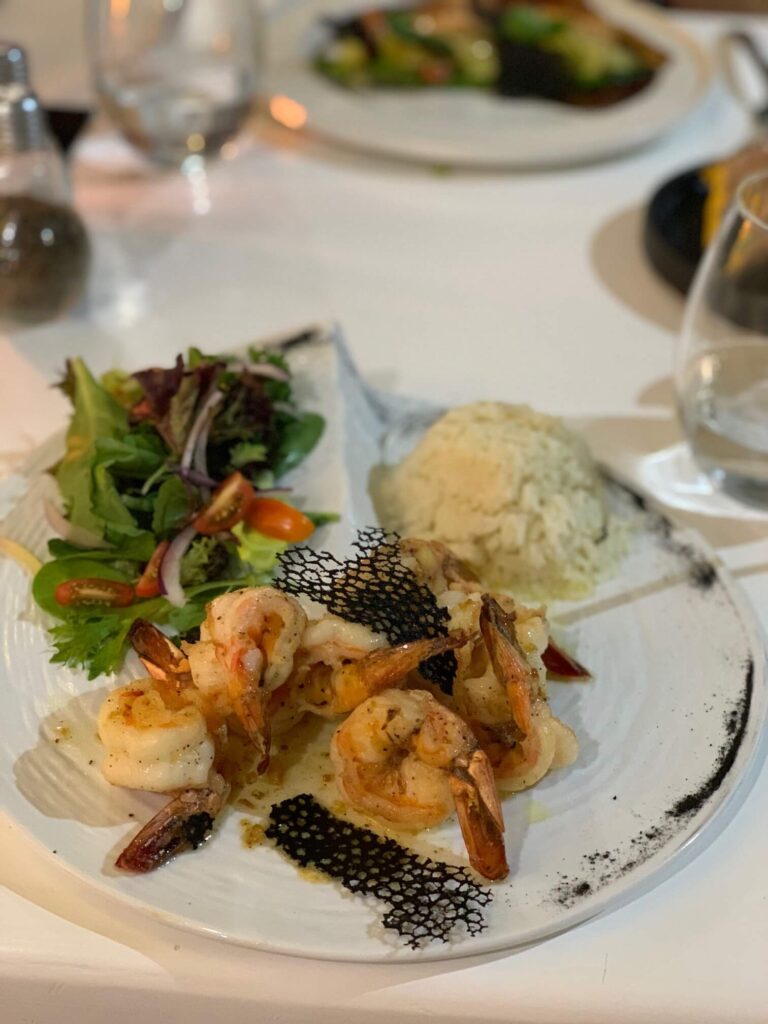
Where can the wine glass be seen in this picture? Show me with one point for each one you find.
(722, 360)
(177, 77)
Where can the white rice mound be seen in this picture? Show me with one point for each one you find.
(514, 493)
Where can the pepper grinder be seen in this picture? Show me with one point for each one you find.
(44, 248)
(13, 66)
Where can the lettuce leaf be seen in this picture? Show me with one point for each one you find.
(206, 559)
(244, 453)
(260, 553)
(97, 416)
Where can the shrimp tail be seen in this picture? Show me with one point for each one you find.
(249, 706)
(184, 822)
(508, 660)
(382, 669)
(479, 814)
(161, 658)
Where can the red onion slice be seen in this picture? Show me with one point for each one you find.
(77, 535)
(200, 454)
(261, 370)
(563, 665)
(191, 476)
(170, 567)
(202, 424)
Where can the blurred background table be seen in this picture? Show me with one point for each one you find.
(522, 287)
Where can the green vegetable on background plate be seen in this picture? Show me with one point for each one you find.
(562, 50)
(165, 485)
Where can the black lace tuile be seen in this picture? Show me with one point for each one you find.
(374, 589)
(425, 901)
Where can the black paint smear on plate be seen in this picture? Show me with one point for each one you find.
(604, 866)
(425, 901)
(735, 728)
(702, 574)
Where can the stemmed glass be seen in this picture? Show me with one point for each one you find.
(722, 361)
(177, 77)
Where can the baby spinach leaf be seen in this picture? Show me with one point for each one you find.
(172, 507)
(51, 574)
(297, 440)
(134, 549)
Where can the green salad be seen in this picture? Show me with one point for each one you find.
(555, 49)
(170, 494)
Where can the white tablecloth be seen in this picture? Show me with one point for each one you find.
(522, 287)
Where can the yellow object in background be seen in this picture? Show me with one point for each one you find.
(723, 179)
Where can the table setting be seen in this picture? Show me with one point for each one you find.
(376, 310)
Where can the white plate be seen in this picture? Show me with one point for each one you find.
(462, 127)
(674, 710)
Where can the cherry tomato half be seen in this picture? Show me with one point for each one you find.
(149, 581)
(275, 519)
(435, 72)
(141, 411)
(227, 506)
(94, 592)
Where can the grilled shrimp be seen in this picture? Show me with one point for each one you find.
(404, 757)
(341, 664)
(161, 735)
(457, 589)
(245, 654)
(154, 738)
(435, 565)
(159, 739)
(507, 708)
(550, 744)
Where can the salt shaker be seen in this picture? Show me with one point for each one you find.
(44, 248)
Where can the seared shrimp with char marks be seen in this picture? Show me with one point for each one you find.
(405, 758)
